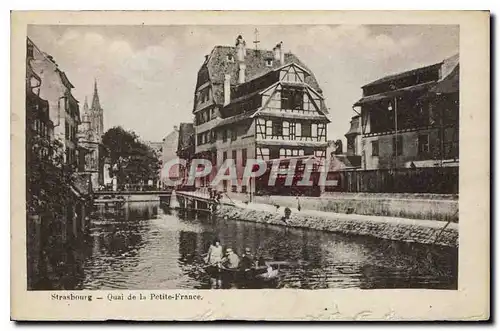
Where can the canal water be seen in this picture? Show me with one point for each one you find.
(146, 246)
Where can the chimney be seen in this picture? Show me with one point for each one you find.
(241, 74)
(281, 53)
(276, 53)
(227, 89)
(241, 51)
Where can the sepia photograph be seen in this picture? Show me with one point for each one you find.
(242, 157)
(110, 107)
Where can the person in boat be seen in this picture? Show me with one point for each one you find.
(247, 261)
(214, 255)
(231, 260)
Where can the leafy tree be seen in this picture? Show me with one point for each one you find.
(132, 161)
(48, 179)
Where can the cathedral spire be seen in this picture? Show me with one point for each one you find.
(85, 105)
(96, 105)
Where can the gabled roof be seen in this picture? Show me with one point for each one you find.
(65, 79)
(424, 87)
(255, 60)
(450, 84)
(403, 74)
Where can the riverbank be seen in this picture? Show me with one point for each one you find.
(439, 207)
(384, 227)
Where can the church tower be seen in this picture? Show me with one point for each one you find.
(96, 115)
(91, 131)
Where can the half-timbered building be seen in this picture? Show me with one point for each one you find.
(257, 104)
(411, 119)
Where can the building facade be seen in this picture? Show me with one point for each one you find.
(55, 88)
(186, 151)
(252, 103)
(90, 132)
(410, 119)
(169, 147)
(58, 197)
(353, 137)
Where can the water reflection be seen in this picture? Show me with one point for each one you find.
(148, 247)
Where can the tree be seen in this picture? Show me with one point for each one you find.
(132, 161)
(48, 179)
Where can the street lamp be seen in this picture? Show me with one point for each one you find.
(390, 108)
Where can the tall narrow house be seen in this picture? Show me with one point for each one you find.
(263, 104)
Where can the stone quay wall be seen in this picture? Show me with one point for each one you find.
(391, 228)
(439, 207)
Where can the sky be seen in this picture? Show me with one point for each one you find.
(146, 75)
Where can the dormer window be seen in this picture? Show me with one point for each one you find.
(269, 62)
(230, 58)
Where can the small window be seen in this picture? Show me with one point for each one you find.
(234, 134)
(269, 62)
(320, 154)
(224, 135)
(423, 144)
(307, 130)
(397, 145)
(375, 148)
(244, 189)
(244, 157)
(277, 129)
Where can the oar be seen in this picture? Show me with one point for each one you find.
(286, 263)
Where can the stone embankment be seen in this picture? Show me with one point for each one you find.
(392, 228)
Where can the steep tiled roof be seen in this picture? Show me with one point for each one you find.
(403, 74)
(255, 60)
(450, 84)
(391, 94)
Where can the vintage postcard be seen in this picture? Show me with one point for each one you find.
(273, 166)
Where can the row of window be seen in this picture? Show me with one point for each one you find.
(450, 144)
(41, 128)
(411, 114)
(287, 130)
(203, 95)
(264, 153)
(210, 136)
(293, 99)
(204, 116)
(234, 156)
(271, 129)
